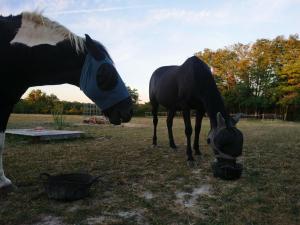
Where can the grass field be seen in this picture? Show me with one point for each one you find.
(145, 185)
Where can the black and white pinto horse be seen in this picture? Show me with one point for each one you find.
(35, 50)
(192, 86)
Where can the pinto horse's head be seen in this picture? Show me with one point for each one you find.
(227, 143)
(101, 82)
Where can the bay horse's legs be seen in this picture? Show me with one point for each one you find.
(170, 116)
(198, 123)
(155, 121)
(188, 134)
(4, 115)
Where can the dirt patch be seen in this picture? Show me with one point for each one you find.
(136, 215)
(148, 195)
(188, 200)
(103, 220)
(50, 220)
(119, 217)
(96, 220)
(135, 125)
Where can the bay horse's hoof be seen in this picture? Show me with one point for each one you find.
(198, 152)
(8, 189)
(155, 146)
(198, 157)
(174, 149)
(192, 163)
(173, 146)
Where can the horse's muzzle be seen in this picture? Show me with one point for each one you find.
(227, 169)
(120, 113)
(118, 118)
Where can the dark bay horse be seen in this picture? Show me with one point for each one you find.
(192, 86)
(35, 50)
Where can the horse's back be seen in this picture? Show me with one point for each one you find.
(161, 73)
(181, 86)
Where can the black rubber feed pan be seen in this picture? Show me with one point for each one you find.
(227, 172)
(68, 187)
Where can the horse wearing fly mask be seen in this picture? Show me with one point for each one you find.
(36, 51)
(192, 86)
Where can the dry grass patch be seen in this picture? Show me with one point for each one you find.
(145, 185)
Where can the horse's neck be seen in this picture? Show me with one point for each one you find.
(56, 64)
(214, 103)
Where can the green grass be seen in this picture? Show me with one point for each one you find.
(267, 193)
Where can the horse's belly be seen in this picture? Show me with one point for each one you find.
(166, 98)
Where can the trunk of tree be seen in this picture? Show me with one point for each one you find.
(285, 112)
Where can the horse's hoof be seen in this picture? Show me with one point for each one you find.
(8, 189)
(198, 153)
(191, 163)
(173, 146)
(174, 149)
(155, 146)
(198, 157)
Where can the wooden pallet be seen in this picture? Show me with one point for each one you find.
(44, 134)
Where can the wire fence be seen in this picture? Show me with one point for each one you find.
(91, 110)
(264, 116)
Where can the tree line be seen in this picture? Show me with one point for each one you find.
(38, 102)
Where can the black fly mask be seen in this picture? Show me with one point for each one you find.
(227, 144)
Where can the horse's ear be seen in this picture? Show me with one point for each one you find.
(220, 120)
(92, 47)
(235, 119)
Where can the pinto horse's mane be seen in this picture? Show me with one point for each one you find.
(38, 29)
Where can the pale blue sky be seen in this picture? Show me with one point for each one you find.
(142, 35)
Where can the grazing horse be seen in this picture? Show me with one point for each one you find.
(192, 86)
(35, 50)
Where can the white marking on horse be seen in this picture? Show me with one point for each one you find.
(4, 181)
(37, 29)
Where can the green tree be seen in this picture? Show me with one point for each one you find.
(224, 65)
(40, 102)
(289, 88)
(134, 95)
